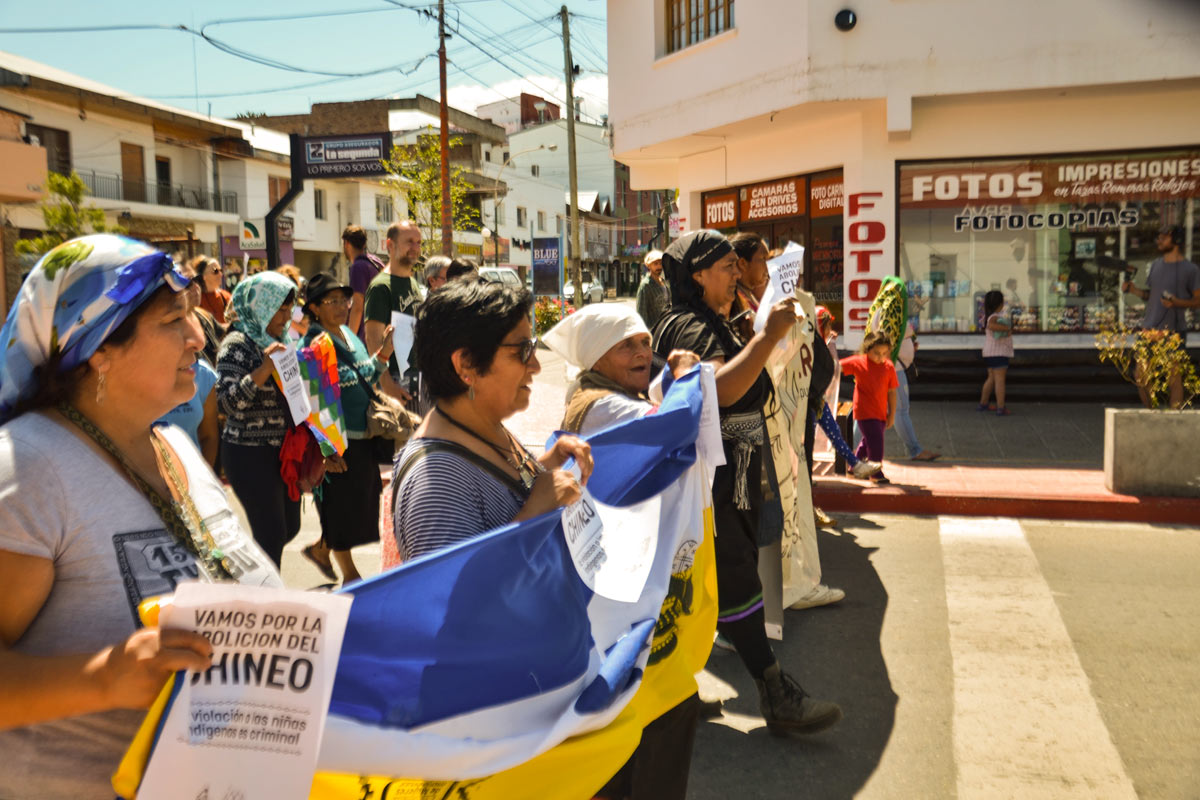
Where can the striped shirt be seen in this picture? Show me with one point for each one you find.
(445, 499)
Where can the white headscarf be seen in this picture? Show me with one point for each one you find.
(583, 337)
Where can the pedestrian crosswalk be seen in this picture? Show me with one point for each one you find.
(966, 655)
(1025, 722)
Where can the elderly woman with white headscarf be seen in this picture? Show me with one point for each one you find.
(609, 347)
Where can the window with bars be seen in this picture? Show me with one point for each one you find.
(692, 21)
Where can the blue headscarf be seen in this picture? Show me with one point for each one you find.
(73, 299)
(255, 300)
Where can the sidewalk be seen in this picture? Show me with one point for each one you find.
(1046, 460)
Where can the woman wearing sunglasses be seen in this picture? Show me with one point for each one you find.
(214, 331)
(214, 299)
(348, 502)
(463, 473)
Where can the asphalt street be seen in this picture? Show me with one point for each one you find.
(974, 658)
(980, 658)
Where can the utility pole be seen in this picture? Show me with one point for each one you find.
(576, 248)
(444, 134)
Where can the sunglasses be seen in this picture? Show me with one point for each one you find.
(527, 349)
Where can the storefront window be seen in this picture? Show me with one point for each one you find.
(825, 252)
(805, 209)
(1056, 235)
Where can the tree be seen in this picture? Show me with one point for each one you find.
(418, 169)
(65, 215)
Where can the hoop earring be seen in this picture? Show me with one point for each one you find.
(100, 389)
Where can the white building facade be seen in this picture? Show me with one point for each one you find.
(150, 167)
(962, 145)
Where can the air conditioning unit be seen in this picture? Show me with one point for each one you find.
(374, 241)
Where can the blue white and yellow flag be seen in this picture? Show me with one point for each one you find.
(492, 670)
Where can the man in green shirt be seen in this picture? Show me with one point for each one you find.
(653, 297)
(396, 289)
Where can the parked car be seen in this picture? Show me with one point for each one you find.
(506, 275)
(593, 290)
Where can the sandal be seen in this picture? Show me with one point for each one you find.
(325, 569)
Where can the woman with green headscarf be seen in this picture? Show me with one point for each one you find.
(256, 411)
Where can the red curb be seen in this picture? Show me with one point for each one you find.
(1000, 491)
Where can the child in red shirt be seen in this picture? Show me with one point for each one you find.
(875, 387)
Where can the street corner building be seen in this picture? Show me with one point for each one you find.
(1031, 148)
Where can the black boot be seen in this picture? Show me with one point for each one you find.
(788, 710)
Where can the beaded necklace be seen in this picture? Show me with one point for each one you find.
(180, 514)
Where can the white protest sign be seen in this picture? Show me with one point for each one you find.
(250, 726)
(613, 548)
(403, 330)
(784, 272)
(708, 440)
(287, 366)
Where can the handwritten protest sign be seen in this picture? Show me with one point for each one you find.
(249, 726)
(784, 272)
(287, 367)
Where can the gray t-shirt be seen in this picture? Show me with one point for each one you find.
(61, 500)
(1180, 278)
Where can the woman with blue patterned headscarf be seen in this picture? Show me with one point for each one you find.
(256, 413)
(99, 510)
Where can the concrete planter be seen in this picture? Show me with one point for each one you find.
(1152, 452)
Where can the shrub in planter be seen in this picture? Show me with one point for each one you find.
(1149, 359)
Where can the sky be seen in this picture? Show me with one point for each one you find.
(497, 49)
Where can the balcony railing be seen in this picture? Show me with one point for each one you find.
(115, 187)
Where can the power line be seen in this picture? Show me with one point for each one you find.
(243, 93)
(522, 56)
(549, 93)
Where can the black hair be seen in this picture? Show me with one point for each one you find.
(200, 265)
(308, 304)
(745, 244)
(993, 301)
(471, 315)
(355, 236)
(459, 268)
(1177, 234)
(53, 386)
